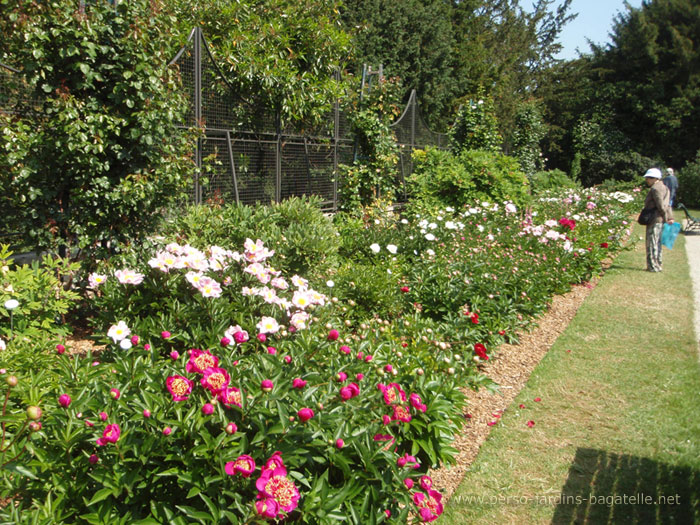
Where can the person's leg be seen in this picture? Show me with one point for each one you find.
(653, 246)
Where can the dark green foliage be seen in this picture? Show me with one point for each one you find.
(100, 158)
(476, 127)
(304, 239)
(529, 131)
(689, 184)
(551, 180)
(441, 178)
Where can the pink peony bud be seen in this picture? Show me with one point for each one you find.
(386, 419)
(333, 335)
(231, 428)
(103, 416)
(165, 334)
(359, 376)
(64, 400)
(345, 349)
(288, 359)
(388, 368)
(297, 382)
(240, 337)
(134, 339)
(271, 350)
(174, 355)
(60, 348)
(34, 412)
(368, 358)
(341, 376)
(305, 414)
(405, 289)
(262, 338)
(93, 459)
(11, 380)
(207, 409)
(146, 413)
(267, 385)
(89, 423)
(409, 483)
(339, 443)
(167, 431)
(115, 393)
(146, 347)
(346, 393)
(35, 426)
(225, 341)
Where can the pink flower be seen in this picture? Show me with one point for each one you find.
(426, 483)
(147, 347)
(115, 393)
(207, 409)
(368, 358)
(267, 508)
(417, 402)
(271, 350)
(345, 349)
(274, 484)
(103, 416)
(299, 383)
(225, 341)
(64, 400)
(339, 443)
(262, 338)
(409, 483)
(333, 335)
(179, 387)
(165, 334)
(345, 393)
(230, 396)
(60, 348)
(231, 428)
(341, 376)
(530, 423)
(429, 506)
(266, 385)
(305, 414)
(110, 435)
(521, 405)
(359, 376)
(167, 431)
(215, 379)
(538, 399)
(274, 462)
(386, 419)
(393, 393)
(200, 361)
(388, 368)
(134, 339)
(405, 289)
(93, 459)
(243, 465)
(174, 355)
(146, 413)
(240, 337)
(288, 359)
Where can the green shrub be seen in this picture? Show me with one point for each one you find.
(304, 239)
(441, 178)
(551, 180)
(689, 184)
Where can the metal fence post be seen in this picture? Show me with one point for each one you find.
(198, 111)
(278, 157)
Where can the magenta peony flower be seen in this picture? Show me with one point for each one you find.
(174, 355)
(225, 341)
(93, 459)
(345, 349)
(167, 431)
(274, 462)
(179, 387)
(215, 379)
(240, 337)
(305, 414)
(230, 396)
(386, 419)
(115, 393)
(60, 348)
(103, 416)
(110, 435)
(200, 361)
(262, 338)
(429, 506)
(426, 483)
(146, 347)
(64, 400)
(288, 359)
(146, 413)
(271, 350)
(165, 334)
(243, 465)
(297, 382)
(360, 376)
(333, 335)
(346, 393)
(409, 483)
(339, 443)
(134, 339)
(207, 409)
(274, 484)
(231, 428)
(266, 385)
(341, 376)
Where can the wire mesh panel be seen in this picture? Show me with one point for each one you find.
(255, 161)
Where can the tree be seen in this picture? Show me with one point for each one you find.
(99, 155)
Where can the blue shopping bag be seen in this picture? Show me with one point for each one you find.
(669, 234)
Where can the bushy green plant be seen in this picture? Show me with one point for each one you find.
(689, 184)
(552, 180)
(98, 157)
(476, 127)
(303, 238)
(441, 178)
(530, 129)
(33, 303)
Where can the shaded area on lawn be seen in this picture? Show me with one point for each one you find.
(605, 487)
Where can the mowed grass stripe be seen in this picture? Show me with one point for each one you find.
(616, 435)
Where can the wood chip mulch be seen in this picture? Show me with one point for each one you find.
(510, 368)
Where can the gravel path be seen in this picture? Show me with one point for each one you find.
(692, 248)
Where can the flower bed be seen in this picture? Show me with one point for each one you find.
(232, 392)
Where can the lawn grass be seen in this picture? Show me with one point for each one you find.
(618, 424)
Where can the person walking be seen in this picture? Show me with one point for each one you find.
(671, 182)
(657, 199)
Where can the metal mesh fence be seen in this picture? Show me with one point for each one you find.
(245, 155)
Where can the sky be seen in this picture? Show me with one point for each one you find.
(594, 21)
